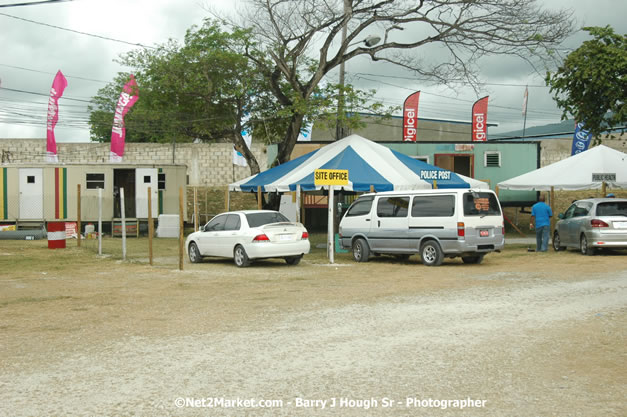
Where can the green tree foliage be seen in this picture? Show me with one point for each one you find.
(591, 84)
(208, 90)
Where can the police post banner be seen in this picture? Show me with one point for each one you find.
(480, 120)
(581, 139)
(410, 117)
(58, 86)
(128, 97)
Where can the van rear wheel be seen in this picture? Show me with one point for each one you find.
(361, 251)
(431, 253)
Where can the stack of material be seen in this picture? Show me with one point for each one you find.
(168, 225)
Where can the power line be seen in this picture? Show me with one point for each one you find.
(77, 31)
(454, 81)
(41, 94)
(33, 3)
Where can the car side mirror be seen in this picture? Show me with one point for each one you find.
(202, 228)
(560, 216)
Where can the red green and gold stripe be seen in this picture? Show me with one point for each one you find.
(4, 203)
(60, 193)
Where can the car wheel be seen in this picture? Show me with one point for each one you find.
(431, 253)
(361, 251)
(557, 243)
(293, 260)
(476, 259)
(584, 247)
(240, 257)
(194, 253)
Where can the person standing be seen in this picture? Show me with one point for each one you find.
(541, 219)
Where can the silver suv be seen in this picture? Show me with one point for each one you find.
(592, 223)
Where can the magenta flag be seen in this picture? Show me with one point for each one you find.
(118, 133)
(58, 86)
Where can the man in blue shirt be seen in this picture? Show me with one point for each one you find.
(541, 218)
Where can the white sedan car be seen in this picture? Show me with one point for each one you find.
(248, 235)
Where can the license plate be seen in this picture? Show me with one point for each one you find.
(484, 233)
(620, 225)
(285, 237)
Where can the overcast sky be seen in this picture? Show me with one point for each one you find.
(31, 53)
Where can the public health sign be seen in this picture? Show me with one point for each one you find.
(581, 139)
(331, 177)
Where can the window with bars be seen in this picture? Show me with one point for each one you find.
(95, 181)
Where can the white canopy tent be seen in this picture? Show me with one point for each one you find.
(595, 168)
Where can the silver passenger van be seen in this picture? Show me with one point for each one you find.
(434, 223)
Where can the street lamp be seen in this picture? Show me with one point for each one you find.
(369, 42)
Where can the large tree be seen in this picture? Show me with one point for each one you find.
(300, 41)
(198, 91)
(208, 90)
(591, 84)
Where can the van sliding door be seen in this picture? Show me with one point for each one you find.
(389, 228)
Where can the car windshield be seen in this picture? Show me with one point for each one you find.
(613, 208)
(259, 219)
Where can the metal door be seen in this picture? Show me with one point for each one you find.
(31, 193)
(144, 178)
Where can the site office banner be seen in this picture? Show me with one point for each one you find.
(480, 120)
(127, 99)
(58, 86)
(410, 117)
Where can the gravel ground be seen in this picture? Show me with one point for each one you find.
(526, 335)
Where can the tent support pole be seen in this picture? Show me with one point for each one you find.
(259, 198)
(552, 211)
(330, 228)
(297, 203)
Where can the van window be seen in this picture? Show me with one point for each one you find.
(361, 207)
(481, 204)
(433, 206)
(393, 207)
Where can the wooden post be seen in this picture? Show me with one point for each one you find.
(227, 199)
(259, 198)
(78, 215)
(303, 210)
(372, 188)
(496, 190)
(181, 234)
(435, 184)
(603, 189)
(150, 225)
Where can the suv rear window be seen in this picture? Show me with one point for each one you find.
(259, 219)
(481, 204)
(614, 208)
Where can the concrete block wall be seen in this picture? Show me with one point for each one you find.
(207, 164)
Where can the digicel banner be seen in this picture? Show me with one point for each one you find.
(410, 117)
(480, 120)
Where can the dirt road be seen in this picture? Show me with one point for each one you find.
(522, 334)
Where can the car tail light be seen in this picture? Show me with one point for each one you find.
(261, 238)
(461, 229)
(305, 236)
(598, 223)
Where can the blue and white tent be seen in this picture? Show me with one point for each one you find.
(368, 164)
